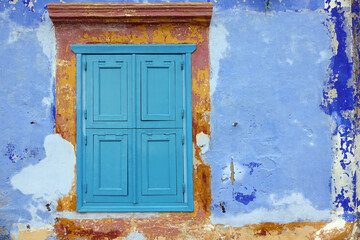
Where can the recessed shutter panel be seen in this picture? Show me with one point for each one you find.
(159, 85)
(108, 84)
(160, 161)
(107, 165)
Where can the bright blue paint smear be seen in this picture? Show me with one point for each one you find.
(273, 92)
(244, 198)
(251, 166)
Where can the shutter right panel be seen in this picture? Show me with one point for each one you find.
(161, 165)
(159, 84)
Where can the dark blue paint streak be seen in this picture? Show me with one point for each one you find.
(11, 154)
(252, 165)
(341, 71)
(244, 198)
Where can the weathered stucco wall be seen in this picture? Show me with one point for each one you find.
(275, 124)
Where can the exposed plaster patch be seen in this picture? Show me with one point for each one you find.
(331, 95)
(202, 141)
(17, 31)
(26, 232)
(334, 3)
(51, 177)
(13, 1)
(75, 215)
(46, 37)
(337, 224)
(293, 207)
(342, 187)
(135, 236)
(324, 56)
(218, 46)
(334, 41)
(289, 61)
(307, 130)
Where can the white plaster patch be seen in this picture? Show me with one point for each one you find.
(46, 37)
(75, 215)
(324, 56)
(202, 141)
(46, 101)
(334, 3)
(218, 46)
(289, 61)
(342, 178)
(52, 177)
(135, 236)
(13, 1)
(16, 32)
(337, 224)
(290, 208)
(307, 130)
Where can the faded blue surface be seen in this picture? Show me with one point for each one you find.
(24, 81)
(273, 81)
(282, 143)
(32, 15)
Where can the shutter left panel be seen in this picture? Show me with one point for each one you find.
(108, 91)
(108, 162)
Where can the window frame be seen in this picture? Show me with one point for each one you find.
(118, 49)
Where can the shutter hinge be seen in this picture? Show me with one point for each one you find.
(85, 66)
(183, 186)
(85, 188)
(182, 140)
(85, 140)
(182, 113)
(85, 114)
(182, 65)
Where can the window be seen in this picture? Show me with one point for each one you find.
(134, 129)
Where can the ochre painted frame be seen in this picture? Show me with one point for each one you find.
(125, 23)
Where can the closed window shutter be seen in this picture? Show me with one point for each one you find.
(159, 149)
(132, 125)
(109, 152)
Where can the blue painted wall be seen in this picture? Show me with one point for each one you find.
(282, 132)
(282, 143)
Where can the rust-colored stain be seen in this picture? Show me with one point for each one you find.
(184, 228)
(232, 175)
(92, 229)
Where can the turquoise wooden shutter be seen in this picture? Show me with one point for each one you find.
(108, 92)
(159, 91)
(160, 155)
(133, 129)
(109, 107)
(108, 156)
(159, 145)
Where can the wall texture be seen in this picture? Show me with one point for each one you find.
(275, 133)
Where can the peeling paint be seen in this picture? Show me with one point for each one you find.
(202, 141)
(29, 233)
(275, 124)
(57, 168)
(293, 207)
(218, 48)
